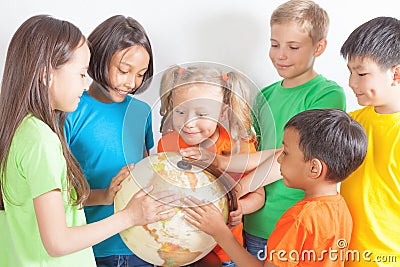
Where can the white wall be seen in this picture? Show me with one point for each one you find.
(234, 32)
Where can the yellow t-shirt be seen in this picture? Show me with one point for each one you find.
(372, 192)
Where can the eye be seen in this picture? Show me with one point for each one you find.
(202, 114)
(180, 112)
(140, 75)
(284, 152)
(83, 75)
(362, 74)
(274, 45)
(294, 47)
(121, 71)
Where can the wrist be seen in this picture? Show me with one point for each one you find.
(220, 162)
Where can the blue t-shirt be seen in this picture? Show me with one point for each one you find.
(104, 137)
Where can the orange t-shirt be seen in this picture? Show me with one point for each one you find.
(172, 142)
(309, 233)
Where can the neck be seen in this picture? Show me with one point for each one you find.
(389, 108)
(300, 79)
(99, 93)
(321, 189)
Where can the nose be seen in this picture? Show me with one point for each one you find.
(190, 120)
(282, 54)
(130, 82)
(352, 82)
(279, 159)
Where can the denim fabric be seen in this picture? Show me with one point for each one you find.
(122, 261)
(228, 264)
(255, 245)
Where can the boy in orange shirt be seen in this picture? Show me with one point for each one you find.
(321, 147)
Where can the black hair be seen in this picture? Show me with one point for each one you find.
(333, 137)
(377, 39)
(115, 34)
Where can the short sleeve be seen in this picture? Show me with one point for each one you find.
(43, 166)
(285, 245)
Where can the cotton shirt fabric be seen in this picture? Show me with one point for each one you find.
(172, 142)
(372, 192)
(313, 227)
(104, 137)
(35, 166)
(274, 106)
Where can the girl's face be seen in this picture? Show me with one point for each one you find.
(197, 109)
(372, 85)
(292, 52)
(126, 71)
(68, 82)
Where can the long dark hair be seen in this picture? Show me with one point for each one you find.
(40, 44)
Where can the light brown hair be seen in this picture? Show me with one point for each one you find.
(236, 94)
(41, 43)
(307, 14)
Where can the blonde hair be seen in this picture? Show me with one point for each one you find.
(235, 88)
(307, 14)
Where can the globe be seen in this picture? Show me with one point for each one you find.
(173, 242)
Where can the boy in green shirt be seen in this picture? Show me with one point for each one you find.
(298, 36)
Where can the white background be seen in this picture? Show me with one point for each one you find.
(234, 32)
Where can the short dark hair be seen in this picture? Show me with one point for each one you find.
(333, 137)
(115, 34)
(377, 39)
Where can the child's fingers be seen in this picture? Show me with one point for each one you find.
(191, 152)
(193, 213)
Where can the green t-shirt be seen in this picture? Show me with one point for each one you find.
(36, 165)
(273, 107)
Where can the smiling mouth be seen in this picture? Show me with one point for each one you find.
(122, 92)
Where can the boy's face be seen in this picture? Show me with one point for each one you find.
(197, 109)
(371, 84)
(292, 164)
(292, 51)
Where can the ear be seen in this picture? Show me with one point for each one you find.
(49, 75)
(396, 75)
(223, 116)
(320, 47)
(316, 168)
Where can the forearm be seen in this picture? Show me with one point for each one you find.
(97, 197)
(243, 163)
(253, 201)
(94, 233)
(59, 239)
(266, 173)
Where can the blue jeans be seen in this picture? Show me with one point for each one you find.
(255, 245)
(228, 264)
(122, 261)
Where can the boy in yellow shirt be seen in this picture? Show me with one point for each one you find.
(372, 192)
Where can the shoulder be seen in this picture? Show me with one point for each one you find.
(324, 212)
(169, 142)
(324, 84)
(137, 103)
(360, 113)
(266, 90)
(35, 130)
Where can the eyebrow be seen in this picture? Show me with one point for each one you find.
(358, 67)
(127, 64)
